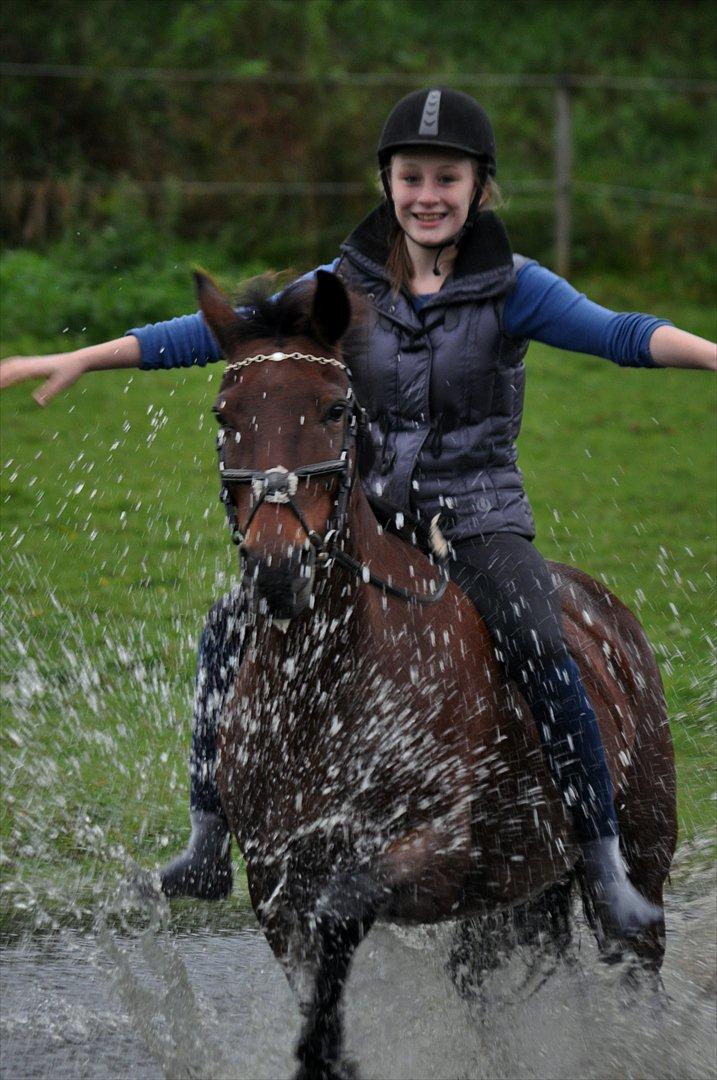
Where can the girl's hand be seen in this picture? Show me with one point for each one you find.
(59, 370)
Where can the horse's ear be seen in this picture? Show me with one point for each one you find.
(221, 317)
(331, 310)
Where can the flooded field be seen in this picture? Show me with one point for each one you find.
(199, 995)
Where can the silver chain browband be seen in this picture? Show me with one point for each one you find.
(277, 356)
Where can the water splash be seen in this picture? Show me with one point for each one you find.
(144, 996)
(99, 982)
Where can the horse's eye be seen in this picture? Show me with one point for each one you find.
(335, 412)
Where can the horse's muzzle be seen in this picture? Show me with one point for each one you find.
(281, 587)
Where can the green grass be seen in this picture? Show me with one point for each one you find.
(114, 546)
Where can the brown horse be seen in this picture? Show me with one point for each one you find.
(374, 761)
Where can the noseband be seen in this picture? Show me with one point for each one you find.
(279, 485)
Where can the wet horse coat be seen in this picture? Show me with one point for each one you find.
(373, 759)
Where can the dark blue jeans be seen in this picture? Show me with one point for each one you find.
(510, 584)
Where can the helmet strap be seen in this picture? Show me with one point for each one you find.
(387, 191)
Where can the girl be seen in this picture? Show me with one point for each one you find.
(442, 383)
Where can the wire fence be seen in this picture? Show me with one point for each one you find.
(359, 79)
(542, 188)
(561, 188)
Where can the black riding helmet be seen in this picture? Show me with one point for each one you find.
(441, 120)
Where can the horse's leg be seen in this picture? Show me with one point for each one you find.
(648, 823)
(481, 945)
(342, 917)
(545, 921)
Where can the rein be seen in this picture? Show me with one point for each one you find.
(279, 485)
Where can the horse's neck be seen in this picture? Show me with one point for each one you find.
(391, 560)
(365, 539)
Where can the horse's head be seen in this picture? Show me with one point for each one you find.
(286, 416)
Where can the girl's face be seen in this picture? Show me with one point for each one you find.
(431, 194)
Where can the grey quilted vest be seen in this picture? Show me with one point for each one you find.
(443, 387)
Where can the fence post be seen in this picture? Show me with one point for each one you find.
(563, 173)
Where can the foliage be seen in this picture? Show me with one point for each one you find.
(62, 136)
(82, 290)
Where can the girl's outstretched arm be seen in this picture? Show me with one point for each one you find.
(670, 347)
(179, 342)
(60, 370)
(545, 307)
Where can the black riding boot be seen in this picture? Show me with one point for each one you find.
(621, 910)
(204, 869)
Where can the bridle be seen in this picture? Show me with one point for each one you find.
(279, 485)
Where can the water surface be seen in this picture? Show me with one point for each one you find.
(202, 996)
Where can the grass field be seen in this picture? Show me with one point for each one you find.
(114, 546)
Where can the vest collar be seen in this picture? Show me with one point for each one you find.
(484, 250)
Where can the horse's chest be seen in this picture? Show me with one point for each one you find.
(336, 741)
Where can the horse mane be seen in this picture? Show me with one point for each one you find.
(266, 313)
(279, 316)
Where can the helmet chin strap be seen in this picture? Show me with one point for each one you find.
(439, 252)
(454, 241)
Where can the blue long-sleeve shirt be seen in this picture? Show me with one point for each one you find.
(541, 307)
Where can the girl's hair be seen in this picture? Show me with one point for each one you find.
(398, 264)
